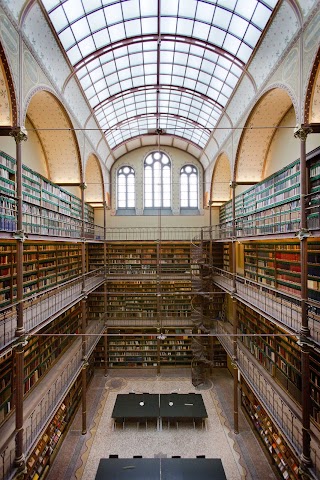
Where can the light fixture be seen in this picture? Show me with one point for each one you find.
(161, 336)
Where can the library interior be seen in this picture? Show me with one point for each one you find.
(159, 239)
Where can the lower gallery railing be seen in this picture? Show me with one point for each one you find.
(288, 421)
(58, 382)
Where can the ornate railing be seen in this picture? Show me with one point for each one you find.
(45, 306)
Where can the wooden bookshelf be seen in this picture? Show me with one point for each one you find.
(269, 206)
(213, 351)
(217, 255)
(42, 456)
(8, 271)
(140, 348)
(227, 260)
(314, 362)
(314, 191)
(96, 308)
(6, 387)
(146, 298)
(277, 352)
(45, 264)
(218, 355)
(47, 208)
(148, 258)
(273, 205)
(95, 255)
(277, 264)
(285, 460)
(40, 354)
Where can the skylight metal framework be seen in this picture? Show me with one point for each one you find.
(158, 64)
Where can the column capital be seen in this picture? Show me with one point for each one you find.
(83, 185)
(301, 132)
(19, 134)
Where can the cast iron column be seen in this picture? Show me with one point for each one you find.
(83, 315)
(105, 291)
(234, 314)
(19, 134)
(303, 234)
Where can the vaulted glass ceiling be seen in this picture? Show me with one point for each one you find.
(166, 66)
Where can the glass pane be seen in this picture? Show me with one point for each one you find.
(233, 25)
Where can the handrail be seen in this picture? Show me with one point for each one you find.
(44, 306)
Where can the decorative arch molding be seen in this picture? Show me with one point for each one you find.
(8, 105)
(259, 130)
(94, 192)
(312, 99)
(221, 177)
(56, 133)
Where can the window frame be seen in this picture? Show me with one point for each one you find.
(194, 170)
(164, 183)
(126, 176)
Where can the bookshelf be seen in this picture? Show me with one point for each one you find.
(148, 258)
(42, 456)
(39, 356)
(282, 455)
(95, 255)
(47, 208)
(277, 264)
(314, 362)
(277, 352)
(227, 261)
(8, 271)
(6, 388)
(96, 304)
(314, 191)
(140, 348)
(45, 264)
(218, 354)
(217, 254)
(137, 299)
(269, 206)
(273, 205)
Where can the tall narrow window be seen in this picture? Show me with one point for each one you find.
(189, 187)
(126, 187)
(157, 181)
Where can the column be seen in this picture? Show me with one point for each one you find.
(83, 186)
(19, 134)
(234, 314)
(210, 203)
(303, 234)
(105, 292)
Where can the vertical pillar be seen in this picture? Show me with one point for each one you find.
(234, 314)
(84, 397)
(303, 234)
(210, 232)
(83, 314)
(105, 291)
(105, 342)
(235, 368)
(19, 134)
(159, 303)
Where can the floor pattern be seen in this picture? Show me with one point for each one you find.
(80, 454)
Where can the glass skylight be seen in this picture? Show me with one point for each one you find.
(143, 69)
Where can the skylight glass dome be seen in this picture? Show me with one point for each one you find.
(151, 65)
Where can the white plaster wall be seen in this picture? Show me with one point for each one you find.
(284, 148)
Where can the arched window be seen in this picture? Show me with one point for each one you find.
(189, 187)
(126, 187)
(157, 181)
